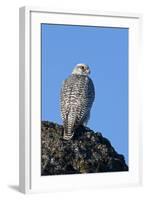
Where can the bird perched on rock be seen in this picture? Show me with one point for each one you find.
(77, 96)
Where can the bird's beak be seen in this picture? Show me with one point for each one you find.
(89, 71)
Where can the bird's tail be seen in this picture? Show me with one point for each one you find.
(67, 136)
(68, 133)
(69, 124)
(68, 129)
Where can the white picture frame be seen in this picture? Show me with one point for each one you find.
(30, 176)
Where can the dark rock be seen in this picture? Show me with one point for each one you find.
(86, 152)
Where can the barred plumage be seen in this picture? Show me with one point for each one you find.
(77, 96)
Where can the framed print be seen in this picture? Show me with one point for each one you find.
(79, 100)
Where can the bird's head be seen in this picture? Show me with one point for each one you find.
(81, 69)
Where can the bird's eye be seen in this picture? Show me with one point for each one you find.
(82, 67)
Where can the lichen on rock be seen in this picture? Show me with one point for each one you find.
(86, 152)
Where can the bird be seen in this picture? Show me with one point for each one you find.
(76, 98)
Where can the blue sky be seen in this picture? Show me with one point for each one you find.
(105, 50)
